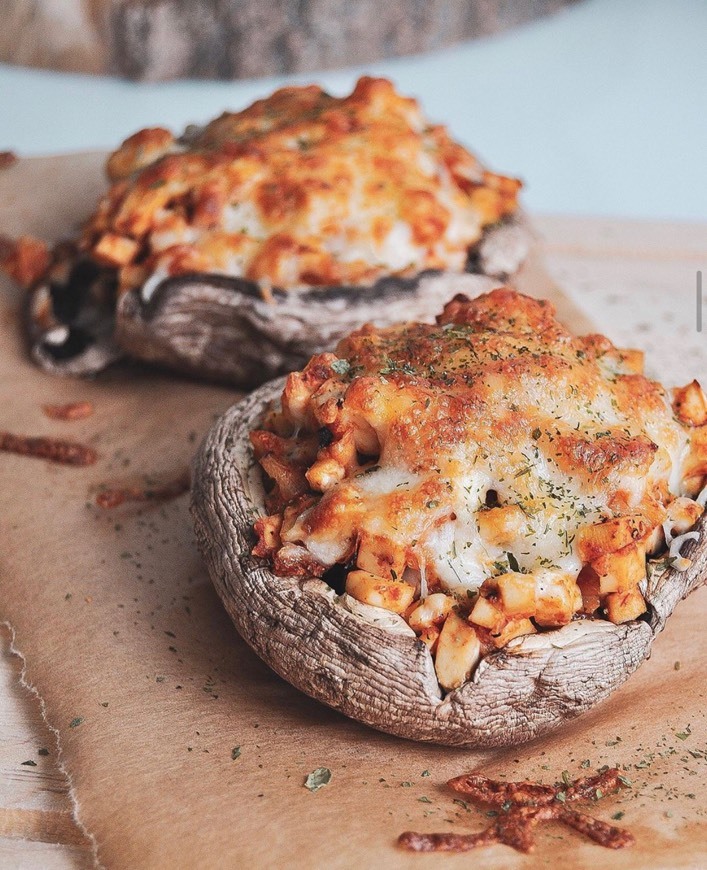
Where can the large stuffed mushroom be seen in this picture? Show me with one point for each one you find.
(242, 248)
(466, 533)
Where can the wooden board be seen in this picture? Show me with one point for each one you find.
(144, 39)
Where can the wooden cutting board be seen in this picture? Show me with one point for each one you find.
(150, 690)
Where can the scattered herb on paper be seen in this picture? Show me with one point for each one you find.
(318, 779)
(76, 722)
(29, 763)
(235, 753)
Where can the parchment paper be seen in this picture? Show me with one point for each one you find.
(151, 690)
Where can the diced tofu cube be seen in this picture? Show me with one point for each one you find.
(430, 636)
(517, 593)
(624, 606)
(690, 404)
(325, 474)
(268, 531)
(557, 597)
(513, 628)
(288, 477)
(378, 555)
(431, 611)
(391, 595)
(620, 571)
(632, 360)
(588, 582)
(115, 250)
(486, 614)
(608, 537)
(458, 652)
(683, 513)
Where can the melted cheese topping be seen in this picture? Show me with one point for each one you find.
(299, 189)
(410, 436)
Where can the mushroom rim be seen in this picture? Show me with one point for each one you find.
(138, 327)
(550, 677)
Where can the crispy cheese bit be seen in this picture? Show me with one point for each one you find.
(458, 652)
(391, 595)
(624, 606)
(138, 151)
(620, 571)
(115, 250)
(632, 360)
(690, 404)
(502, 525)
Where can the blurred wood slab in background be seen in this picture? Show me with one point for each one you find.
(166, 39)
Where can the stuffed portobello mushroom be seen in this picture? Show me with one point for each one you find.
(242, 248)
(465, 533)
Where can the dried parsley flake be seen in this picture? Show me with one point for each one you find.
(318, 779)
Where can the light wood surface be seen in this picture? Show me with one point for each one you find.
(635, 281)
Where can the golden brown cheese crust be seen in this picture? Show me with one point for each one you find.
(493, 459)
(299, 189)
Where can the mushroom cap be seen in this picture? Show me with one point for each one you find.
(366, 662)
(226, 329)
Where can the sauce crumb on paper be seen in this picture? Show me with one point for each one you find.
(52, 449)
(69, 411)
(521, 806)
(114, 496)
